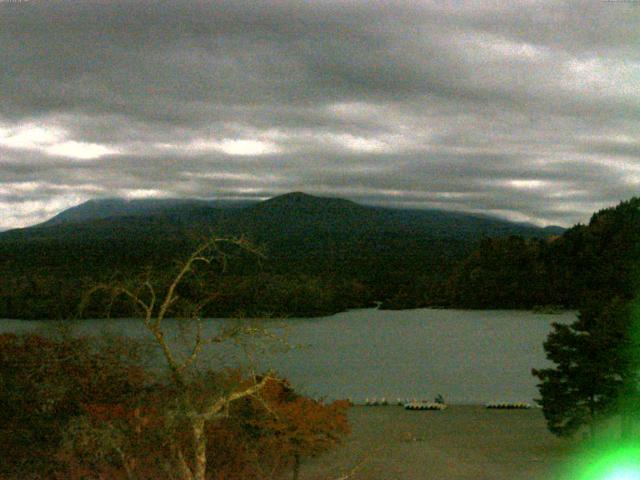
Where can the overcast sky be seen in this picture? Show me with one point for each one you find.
(526, 110)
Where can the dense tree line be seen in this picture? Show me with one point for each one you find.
(42, 296)
(594, 261)
(44, 279)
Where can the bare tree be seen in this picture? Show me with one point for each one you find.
(155, 303)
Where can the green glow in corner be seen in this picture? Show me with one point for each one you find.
(624, 474)
(621, 463)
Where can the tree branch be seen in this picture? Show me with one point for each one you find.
(221, 403)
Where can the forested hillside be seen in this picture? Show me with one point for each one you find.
(595, 260)
(320, 255)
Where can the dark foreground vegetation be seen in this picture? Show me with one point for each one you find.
(74, 408)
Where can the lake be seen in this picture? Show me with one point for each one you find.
(468, 356)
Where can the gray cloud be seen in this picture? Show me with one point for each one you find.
(528, 111)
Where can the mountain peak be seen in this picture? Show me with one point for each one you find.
(305, 200)
(298, 195)
(295, 197)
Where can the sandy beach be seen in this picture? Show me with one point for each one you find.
(460, 443)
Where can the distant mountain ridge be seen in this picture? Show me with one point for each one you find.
(119, 207)
(291, 212)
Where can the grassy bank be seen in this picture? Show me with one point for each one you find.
(462, 442)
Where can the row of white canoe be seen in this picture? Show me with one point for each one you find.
(426, 405)
(409, 405)
(509, 406)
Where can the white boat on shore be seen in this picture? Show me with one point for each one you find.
(508, 406)
(424, 405)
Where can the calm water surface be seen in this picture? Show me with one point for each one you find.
(467, 356)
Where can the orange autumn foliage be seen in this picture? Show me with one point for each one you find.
(44, 384)
(73, 411)
(268, 434)
(260, 438)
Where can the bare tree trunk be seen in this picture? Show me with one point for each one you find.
(200, 448)
(156, 307)
(185, 471)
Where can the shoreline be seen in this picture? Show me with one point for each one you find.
(377, 308)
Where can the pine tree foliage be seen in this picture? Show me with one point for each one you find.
(596, 367)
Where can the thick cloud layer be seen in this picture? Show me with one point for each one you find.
(526, 110)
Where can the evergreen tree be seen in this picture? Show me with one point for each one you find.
(595, 372)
